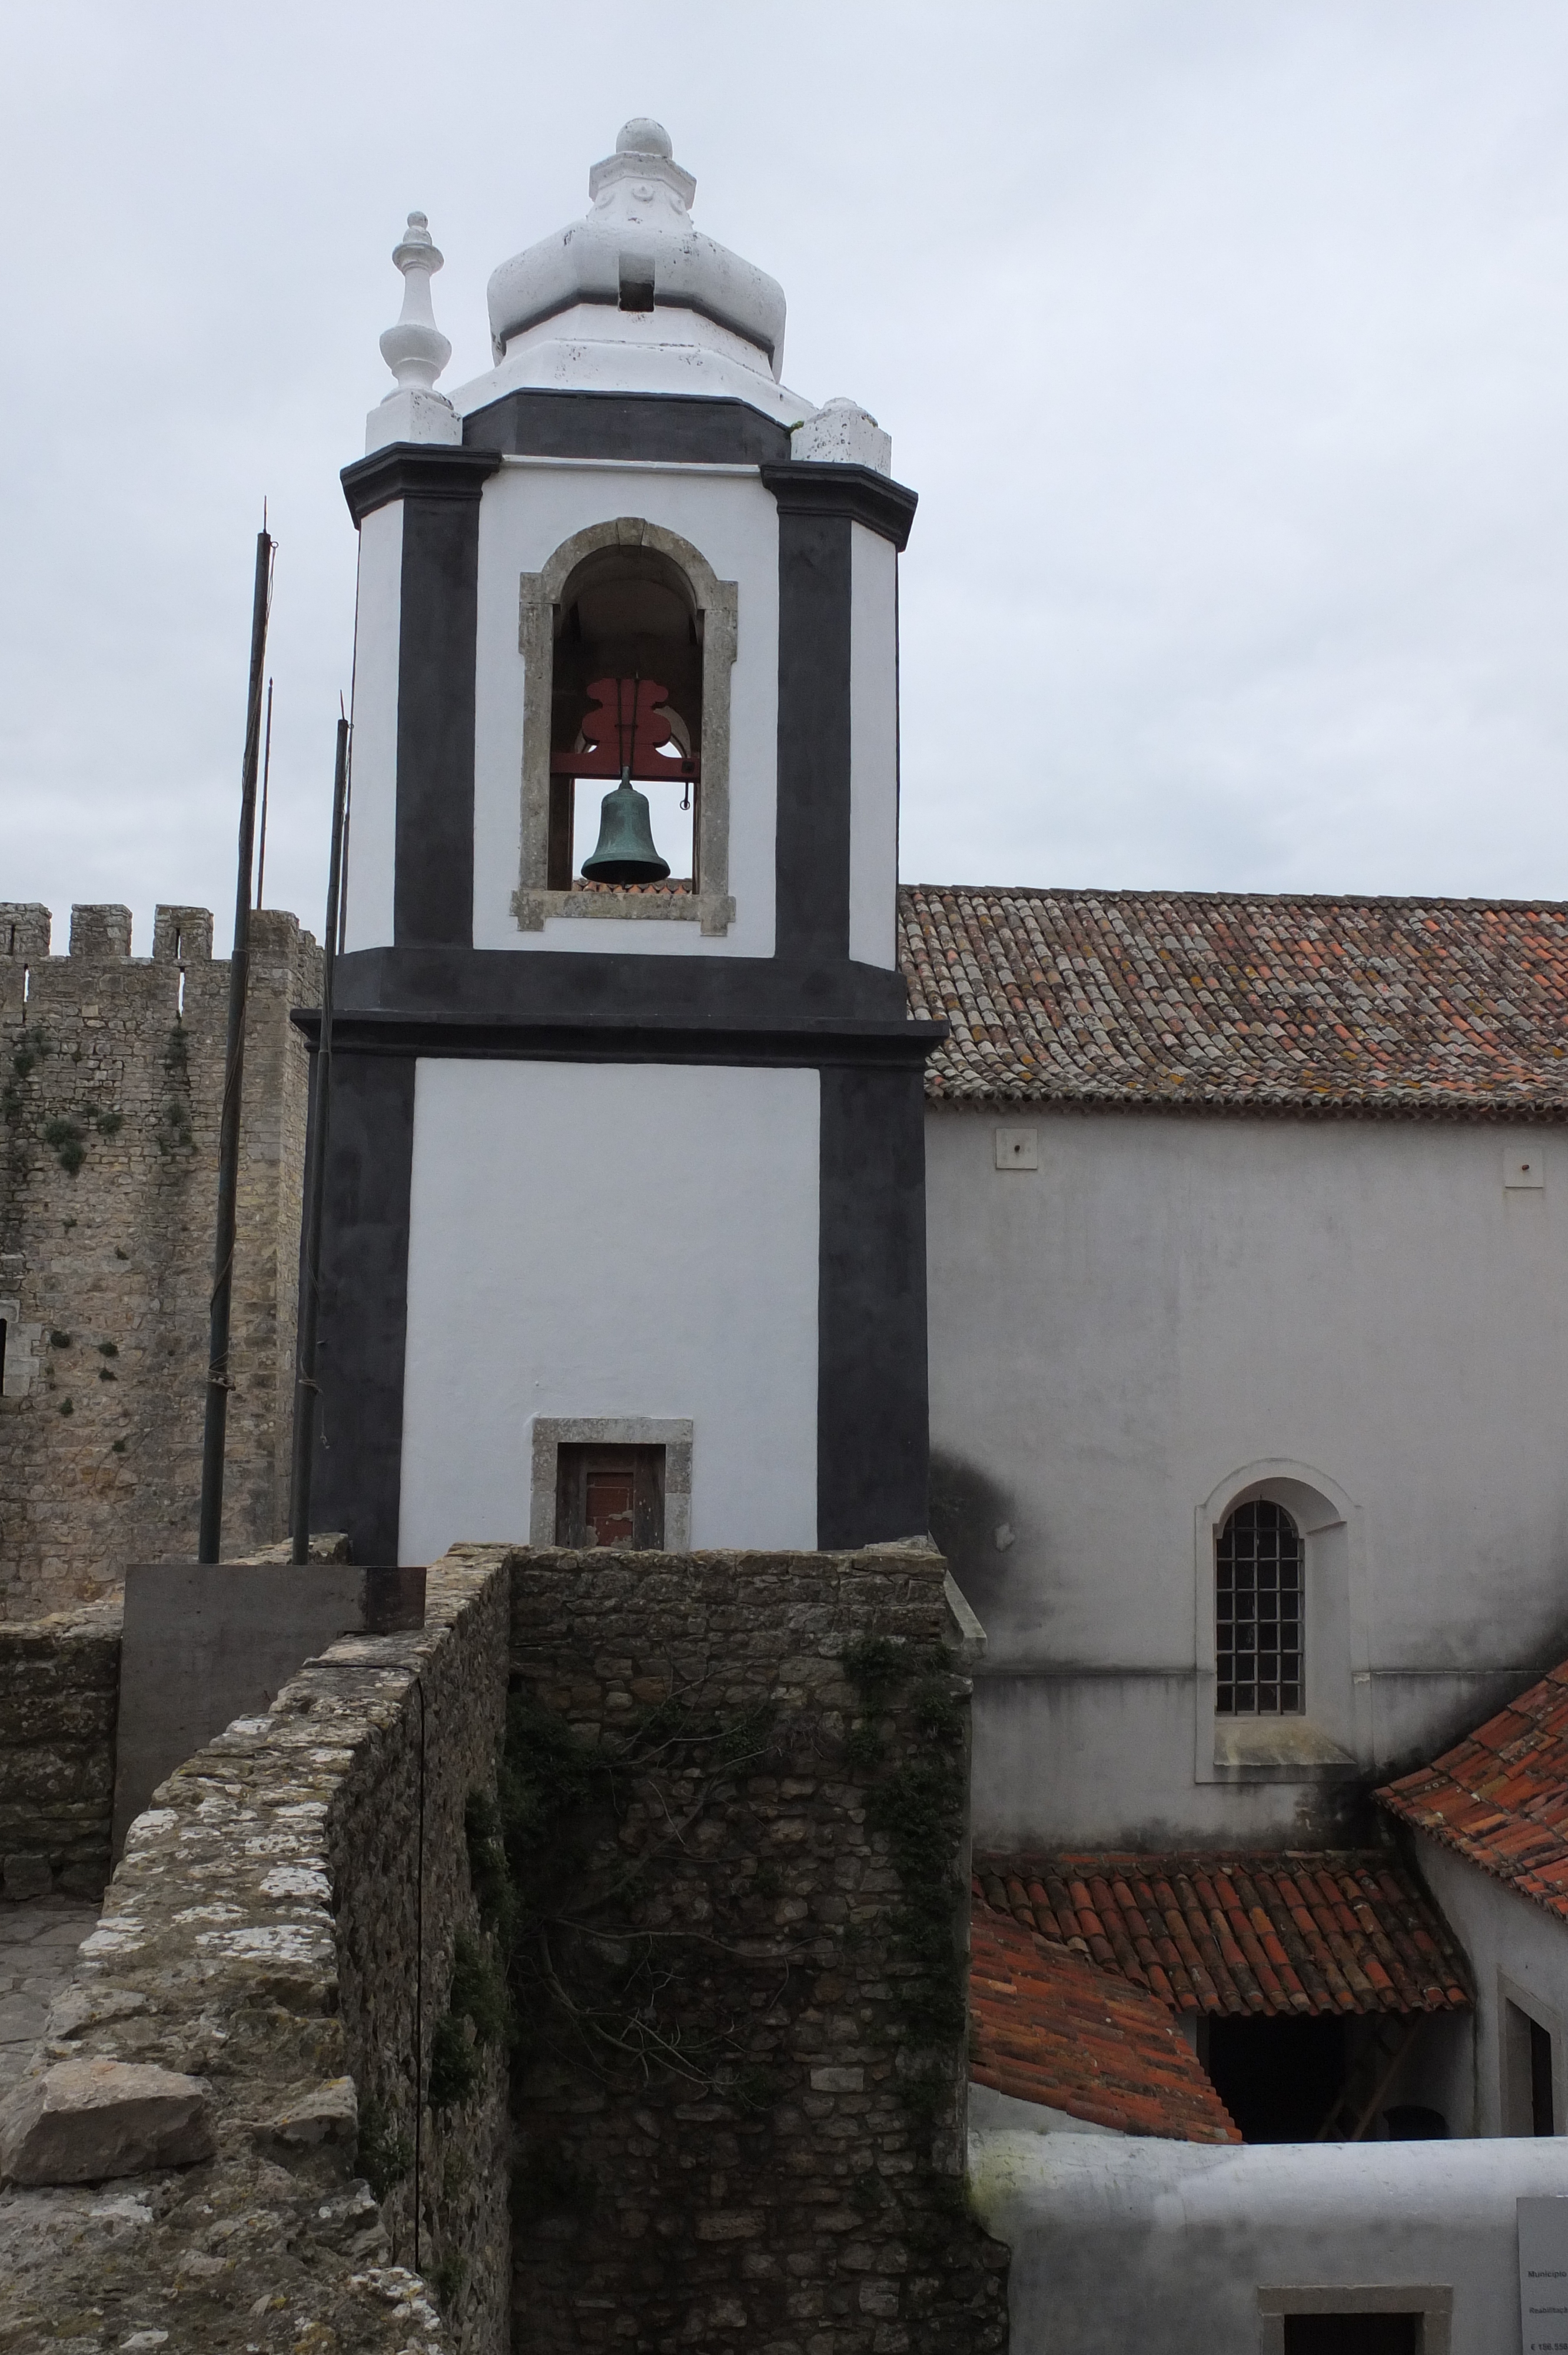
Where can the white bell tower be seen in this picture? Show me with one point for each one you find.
(627, 1160)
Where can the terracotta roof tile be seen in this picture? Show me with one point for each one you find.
(1048, 2027)
(1232, 1001)
(1500, 1796)
(1332, 1931)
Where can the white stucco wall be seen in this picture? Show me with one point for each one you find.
(1519, 1953)
(873, 748)
(527, 510)
(1163, 1306)
(611, 1240)
(1129, 2243)
(373, 814)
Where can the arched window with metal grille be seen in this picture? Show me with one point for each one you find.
(1259, 1611)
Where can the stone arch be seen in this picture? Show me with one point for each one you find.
(716, 602)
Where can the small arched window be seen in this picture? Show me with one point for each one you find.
(1259, 1663)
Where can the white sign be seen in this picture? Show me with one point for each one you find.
(1544, 2276)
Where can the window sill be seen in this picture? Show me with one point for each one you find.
(713, 911)
(1279, 1750)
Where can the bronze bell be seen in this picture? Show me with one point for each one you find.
(624, 852)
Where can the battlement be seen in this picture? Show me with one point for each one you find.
(112, 1070)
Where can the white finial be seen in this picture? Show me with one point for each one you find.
(415, 349)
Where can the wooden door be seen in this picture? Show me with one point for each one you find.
(608, 1496)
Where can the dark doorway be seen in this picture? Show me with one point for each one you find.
(1542, 2119)
(610, 1497)
(1352, 2334)
(1278, 2078)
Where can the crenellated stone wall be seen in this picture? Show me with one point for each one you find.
(111, 1088)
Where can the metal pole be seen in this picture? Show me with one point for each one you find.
(266, 781)
(321, 1114)
(216, 1423)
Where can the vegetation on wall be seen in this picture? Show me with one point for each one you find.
(577, 1867)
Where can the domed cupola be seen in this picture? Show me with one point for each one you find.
(634, 297)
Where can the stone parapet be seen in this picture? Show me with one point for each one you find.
(283, 1931)
(59, 1680)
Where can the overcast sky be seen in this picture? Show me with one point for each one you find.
(1225, 342)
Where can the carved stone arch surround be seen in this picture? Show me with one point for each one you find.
(1335, 1738)
(718, 600)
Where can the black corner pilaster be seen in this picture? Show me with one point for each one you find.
(365, 1302)
(873, 1405)
(439, 490)
(813, 873)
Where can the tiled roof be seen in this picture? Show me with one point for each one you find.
(1334, 1931)
(1501, 1797)
(1241, 1001)
(1048, 2028)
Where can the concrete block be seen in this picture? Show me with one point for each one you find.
(25, 1876)
(84, 2121)
(206, 1643)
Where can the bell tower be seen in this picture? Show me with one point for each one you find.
(625, 1232)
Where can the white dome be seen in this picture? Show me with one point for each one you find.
(635, 252)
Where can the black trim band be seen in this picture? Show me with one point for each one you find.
(664, 427)
(524, 985)
(406, 469)
(900, 1046)
(823, 487)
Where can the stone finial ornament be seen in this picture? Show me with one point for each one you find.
(416, 351)
(844, 433)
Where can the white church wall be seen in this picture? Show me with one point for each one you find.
(597, 1241)
(873, 748)
(528, 511)
(1121, 2244)
(1519, 1953)
(373, 824)
(1128, 1332)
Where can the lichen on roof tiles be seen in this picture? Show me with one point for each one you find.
(1332, 1931)
(1049, 2028)
(1232, 1001)
(1500, 1796)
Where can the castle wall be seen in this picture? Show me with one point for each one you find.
(111, 1088)
(739, 1789)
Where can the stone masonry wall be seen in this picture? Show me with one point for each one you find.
(59, 1683)
(740, 2089)
(111, 1086)
(282, 1929)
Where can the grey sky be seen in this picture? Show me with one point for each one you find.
(1224, 341)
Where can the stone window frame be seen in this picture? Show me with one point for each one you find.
(539, 594)
(1431, 2302)
(1302, 1749)
(674, 1433)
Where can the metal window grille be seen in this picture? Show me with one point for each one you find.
(1258, 1657)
